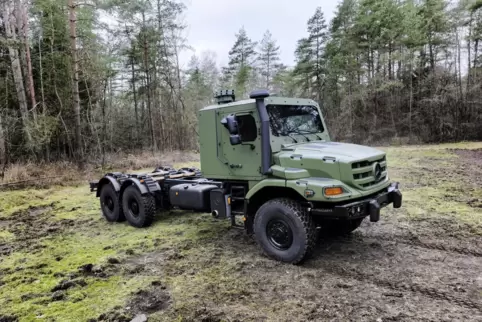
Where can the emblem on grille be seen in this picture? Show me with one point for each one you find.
(377, 171)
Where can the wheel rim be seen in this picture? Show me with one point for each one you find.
(133, 208)
(109, 203)
(279, 234)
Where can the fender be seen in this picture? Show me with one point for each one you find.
(136, 182)
(265, 183)
(108, 180)
(146, 186)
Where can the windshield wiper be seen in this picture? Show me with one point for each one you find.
(315, 133)
(286, 133)
(298, 132)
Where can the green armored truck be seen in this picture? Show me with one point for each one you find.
(270, 161)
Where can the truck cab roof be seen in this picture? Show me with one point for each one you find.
(273, 100)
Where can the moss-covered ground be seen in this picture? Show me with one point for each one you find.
(61, 261)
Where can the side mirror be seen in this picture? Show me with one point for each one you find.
(231, 124)
(235, 139)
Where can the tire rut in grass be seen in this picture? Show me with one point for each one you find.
(416, 242)
(404, 286)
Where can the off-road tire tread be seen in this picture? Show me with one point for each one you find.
(121, 216)
(308, 225)
(150, 209)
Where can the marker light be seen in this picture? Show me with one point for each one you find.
(333, 191)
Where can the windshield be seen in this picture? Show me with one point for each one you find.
(286, 119)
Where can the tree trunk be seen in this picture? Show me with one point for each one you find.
(17, 71)
(23, 11)
(469, 44)
(133, 73)
(390, 61)
(104, 124)
(411, 100)
(431, 53)
(75, 82)
(42, 91)
(148, 88)
(3, 150)
(458, 62)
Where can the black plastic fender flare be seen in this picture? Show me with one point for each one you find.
(134, 181)
(108, 180)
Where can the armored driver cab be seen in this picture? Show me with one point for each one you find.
(269, 160)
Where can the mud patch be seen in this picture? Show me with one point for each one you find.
(5, 249)
(99, 271)
(474, 155)
(150, 264)
(208, 315)
(469, 165)
(144, 302)
(31, 225)
(116, 315)
(8, 318)
(154, 299)
(66, 284)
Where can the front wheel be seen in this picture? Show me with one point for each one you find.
(285, 231)
(139, 209)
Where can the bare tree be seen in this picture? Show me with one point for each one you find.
(9, 24)
(75, 80)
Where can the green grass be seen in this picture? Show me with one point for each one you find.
(197, 272)
(436, 182)
(91, 240)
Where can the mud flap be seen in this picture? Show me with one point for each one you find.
(374, 208)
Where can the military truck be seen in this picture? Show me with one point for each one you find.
(270, 161)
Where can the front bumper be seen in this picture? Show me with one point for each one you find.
(363, 208)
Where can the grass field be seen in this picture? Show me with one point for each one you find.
(61, 261)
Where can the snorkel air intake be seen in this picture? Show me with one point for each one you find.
(259, 96)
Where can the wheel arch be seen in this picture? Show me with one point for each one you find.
(268, 193)
(133, 182)
(108, 180)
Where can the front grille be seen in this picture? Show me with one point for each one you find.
(363, 175)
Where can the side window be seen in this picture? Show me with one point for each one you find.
(247, 127)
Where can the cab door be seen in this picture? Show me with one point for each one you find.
(243, 158)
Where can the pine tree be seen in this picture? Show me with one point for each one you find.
(310, 56)
(434, 27)
(241, 61)
(268, 58)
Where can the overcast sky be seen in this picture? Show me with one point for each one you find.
(212, 24)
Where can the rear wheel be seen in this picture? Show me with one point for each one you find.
(139, 209)
(342, 227)
(110, 205)
(285, 231)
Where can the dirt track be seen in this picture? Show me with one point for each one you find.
(422, 262)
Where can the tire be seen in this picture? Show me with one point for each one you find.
(341, 228)
(110, 204)
(139, 210)
(298, 231)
